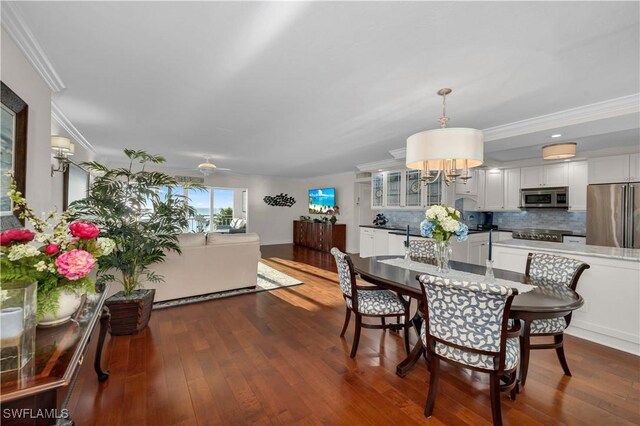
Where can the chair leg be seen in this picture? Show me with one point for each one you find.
(356, 336)
(383, 321)
(496, 412)
(525, 350)
(433, 386)
(347, 317)
(407, 327)
(560, 352)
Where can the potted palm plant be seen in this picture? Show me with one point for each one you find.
(143, 214)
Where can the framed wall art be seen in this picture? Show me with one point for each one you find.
(13, 138)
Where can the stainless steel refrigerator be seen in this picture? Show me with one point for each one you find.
(613, 215)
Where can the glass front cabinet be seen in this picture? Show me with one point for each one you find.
(403, 189)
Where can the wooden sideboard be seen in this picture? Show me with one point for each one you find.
(320, 236)
(38, 393)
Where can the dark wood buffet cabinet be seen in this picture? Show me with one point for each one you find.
(320, 236)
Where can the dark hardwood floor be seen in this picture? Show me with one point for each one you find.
(276, 358)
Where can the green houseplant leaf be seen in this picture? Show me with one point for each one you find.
(129, 205)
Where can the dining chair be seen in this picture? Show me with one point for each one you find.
(369, 301)
(422, 249)
(466, 324)
(553, 273)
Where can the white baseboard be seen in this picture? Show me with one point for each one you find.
(611, 340)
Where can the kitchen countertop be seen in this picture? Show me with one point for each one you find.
(415, 232)
(632, 255)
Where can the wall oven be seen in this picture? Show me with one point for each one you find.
(556, 198)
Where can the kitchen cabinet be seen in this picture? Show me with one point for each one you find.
(511, 178)
(377, 190)
(578, 173)
(403, 190)
(493, 190)
(413, 191)
(549, 175)
(634, 167)
(615, 168)
(374, 242)
(366, 242)
(393, 189)
(470, 187)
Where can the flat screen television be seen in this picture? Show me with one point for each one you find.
(321, 200)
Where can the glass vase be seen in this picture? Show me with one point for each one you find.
(443, 250)
(17, 324)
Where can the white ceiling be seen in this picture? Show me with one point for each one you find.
(307, 89)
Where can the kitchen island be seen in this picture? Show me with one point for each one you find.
(610, 288)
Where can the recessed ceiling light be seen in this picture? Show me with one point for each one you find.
(557, 135)
(379, 170)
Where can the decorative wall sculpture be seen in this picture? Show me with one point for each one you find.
(282, 200)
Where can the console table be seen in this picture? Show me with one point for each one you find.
(38, 392)
(320, 235)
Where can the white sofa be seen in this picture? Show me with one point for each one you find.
(210, 264)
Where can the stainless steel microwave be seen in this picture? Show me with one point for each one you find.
(556, 198)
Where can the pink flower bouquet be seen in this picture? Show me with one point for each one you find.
(57, 256)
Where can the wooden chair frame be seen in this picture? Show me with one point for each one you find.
(359, 316)
(495, 375)
(558, 338)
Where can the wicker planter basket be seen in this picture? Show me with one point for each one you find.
(130, 315)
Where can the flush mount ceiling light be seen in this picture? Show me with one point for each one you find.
(62, 148)
(207, 167)
(446, 152)
(559, 151)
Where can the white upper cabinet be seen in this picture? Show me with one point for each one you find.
(393, 189)
(634, 167)
(548, 175)
(469, 188)
(493, 190)
(377, 190)
(403, 189)
(611, 169)
(412, 189)
(531, 177)
(556, 174)
(578, 185)
(511, 178)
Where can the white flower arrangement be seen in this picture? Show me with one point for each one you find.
(442, 222)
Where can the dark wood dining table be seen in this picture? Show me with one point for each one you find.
(545, 301)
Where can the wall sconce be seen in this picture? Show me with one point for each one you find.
(62, 148)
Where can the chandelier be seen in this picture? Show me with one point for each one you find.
(445, 152)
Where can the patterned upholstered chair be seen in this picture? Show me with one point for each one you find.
(368, 302)
(552, 274)
(422, 249)
(466, 325)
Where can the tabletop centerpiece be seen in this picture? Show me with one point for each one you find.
(58, 256)
(442, 223)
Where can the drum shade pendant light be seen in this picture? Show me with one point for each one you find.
(559, 151)
(445, 152)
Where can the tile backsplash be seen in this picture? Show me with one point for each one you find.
(541, 218)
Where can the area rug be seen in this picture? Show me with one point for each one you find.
(268, 279)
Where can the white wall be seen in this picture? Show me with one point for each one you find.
(345, 199)
(20, 77)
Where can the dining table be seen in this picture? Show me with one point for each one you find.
(546, 300)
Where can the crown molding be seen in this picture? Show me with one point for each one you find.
(399, 154)
(601, 110)
(63, 121)
(376, 165)
(16, 27)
